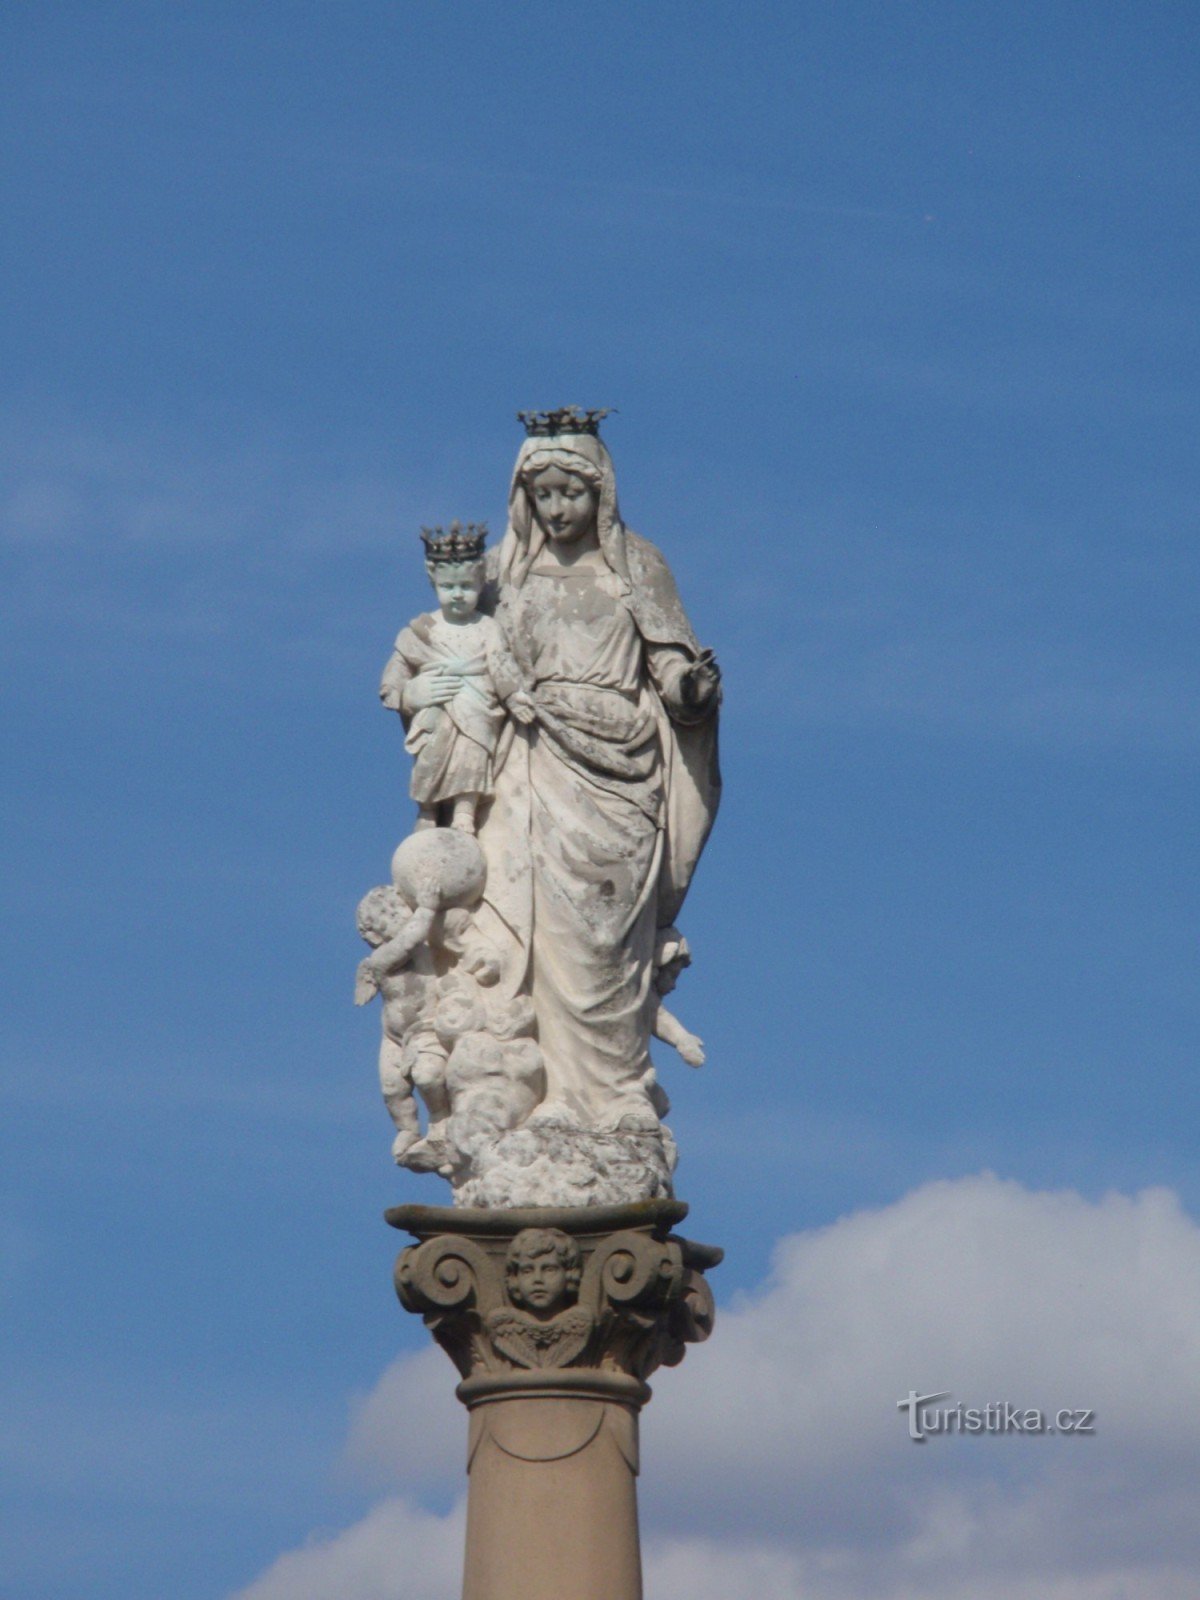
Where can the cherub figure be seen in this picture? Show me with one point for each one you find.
(542, 1326)
(671, 955)
(401, 971)
(410, 945)
(449, 677)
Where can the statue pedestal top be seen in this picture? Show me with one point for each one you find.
(426, 1221)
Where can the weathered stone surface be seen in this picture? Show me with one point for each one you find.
(550, 1161)
(559, 707)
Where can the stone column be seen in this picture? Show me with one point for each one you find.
(554, 1317)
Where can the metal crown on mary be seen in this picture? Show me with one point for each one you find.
(563, 419)
(458, 542)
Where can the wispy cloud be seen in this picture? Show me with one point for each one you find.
(1011, 631)
(74, 483)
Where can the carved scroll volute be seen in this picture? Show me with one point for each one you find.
(632, 1271)
(631, 1280)
(454, 1284)
(690, 1318)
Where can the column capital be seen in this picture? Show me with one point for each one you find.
(580, 1302)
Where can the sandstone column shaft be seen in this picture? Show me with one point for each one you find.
(554, 1317)
(552, 1503)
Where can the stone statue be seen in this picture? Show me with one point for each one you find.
(562, 720)
(561, 707)
(388, 923)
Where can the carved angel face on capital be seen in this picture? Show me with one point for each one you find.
(542, 1271)
(564, 504)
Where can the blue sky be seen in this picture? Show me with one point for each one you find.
(897, 304)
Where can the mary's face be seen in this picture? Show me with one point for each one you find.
(564, 504)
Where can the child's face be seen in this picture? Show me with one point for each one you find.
(541, 1281)
(458, 589)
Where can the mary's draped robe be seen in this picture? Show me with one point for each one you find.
(601, 808)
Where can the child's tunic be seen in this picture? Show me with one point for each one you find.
(452, 745)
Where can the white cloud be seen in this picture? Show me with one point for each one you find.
(775, 1460)
(395, 1553)
(976, 1286)
(410, 1432)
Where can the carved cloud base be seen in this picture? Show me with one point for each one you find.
(554, 1317)
(554, 1163)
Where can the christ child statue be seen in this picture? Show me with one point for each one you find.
(450, 677)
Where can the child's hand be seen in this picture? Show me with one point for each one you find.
(522, 707)
(691, 1049)
(432, 686)
(366, 982)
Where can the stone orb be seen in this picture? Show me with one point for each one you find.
(439, 869)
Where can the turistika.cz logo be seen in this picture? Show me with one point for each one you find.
(926, 1417)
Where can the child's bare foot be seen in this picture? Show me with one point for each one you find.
(402, 1144)
(464, 813)
(427, 1155)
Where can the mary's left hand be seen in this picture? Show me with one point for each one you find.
(701, 682)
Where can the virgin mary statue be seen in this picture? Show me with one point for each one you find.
(605, 795)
